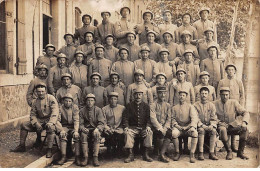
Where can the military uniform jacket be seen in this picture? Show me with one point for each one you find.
(69, 117)
(54, 78)
(207, 114)
(133, 51)
(191, 29)
(136, 115)
(91, 118)
(120, 89)
(202, 48)
(104, 29)
(160, 115)
(201, 26)
(125, 69)
(44, 110)
(111, 53)
(99, 92)
(79, 75)
(113, 116)
(48, 61)
(182, 47)
(192, 72)
(147, 93)
(74, 90)
(184, 115)
(140, 30)
(121, 28)
(155, 49)
(168, 27)
(212, 92)
(88, 50)
(149, 67)
(173, 49)
(79, 33)
(231, 112)
(69, 51)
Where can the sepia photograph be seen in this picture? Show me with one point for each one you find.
(129, 84)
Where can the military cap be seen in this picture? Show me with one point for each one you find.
(162, 74)
(180, 70)
(65, 75)
(163, 88)
(204, 9)
(139, 71)
(79, 52)
(99, 46)
(95, 73)
(151, 31)
(213, 44)
(188, 51)
(86, 15)
(183, 91)
(113, 94)
(123, 48)
(114, 73)
(125, 8)
(62, 55)
(109, 35)
(204, 88)
(138, 90)
(165, 11)
(164, 50)
(87, 33)
(208, 29)
(224, 89)
(105, 12)
(185, 32)
(131, 32)
(231, 65)
(68, 34)
(145, 48)
(68, 95)
(42, 66)
(40, 84)
(148, 11)
(167, 32)
(204, 73)
(90, 95)
(49, 45)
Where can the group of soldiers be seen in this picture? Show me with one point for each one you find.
(165, 87)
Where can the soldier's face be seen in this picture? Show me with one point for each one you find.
(109, 41)
(161, 95)
(90, 102)
(167, 17)
(167, 38)
(139, 77)
(204, 95)
(49, 51)
(67, 102)
(123, 54)
(204, 79)
(105, 16)
(150, 38)
(164, 56)
(160, 80)
(113, 101)
(181, 75)
(145, 54)
(182, 97)
(231, 71)
(95, 80)
(89, 38)
(188, 57)
(66, 81)
(86, 20)
(209, 35)
(41, 92)
(186, 19)
(224, 95)
(79, 58)
(114, 79)
(131, 38)
(69, 39)
(186, 38)
(125, 13)
(147, 17)
(212, 52)
(42, 72)
(204, 14)
(61, 62)
(100, 52)
(138, 97)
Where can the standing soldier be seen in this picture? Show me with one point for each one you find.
(106, 27)
(207, 125)
(54, 79)
(161, 81)
(44, 115)
(48, 59)
(136, 121)
(69, 49)
(142, 30)
(80, 32)
(233, 120)
(213, 66)
(169, 44)
(113, 129)
(69, 119)
(79, 71)
(124, 68)
(184, 123)
(111, 52)
(161, 121)
(132, 47)
(147, 65)
(101, 65)
(91, 125)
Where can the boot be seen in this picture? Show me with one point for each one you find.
(21, 146)
(158, 146)
(77, 153)
(201, 156)
(49, 153)
(233, 143)
(241, 147)
(38, 140)
(177, 155)
(130, 157)
(146, 155)
(95, 161)
(192, 158)
(212, 156)
(165, 145)
(186, 149)
(228, 149)
(84, 161)
(63, 147)
(50, 139)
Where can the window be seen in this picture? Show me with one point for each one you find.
(3, 61)
(46, 18)
(77, 17)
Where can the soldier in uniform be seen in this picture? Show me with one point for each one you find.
(54, 78)
(184, 123)
(110, 52)
(101, 65)
(233, 120)
(207, 125)
(204, 82)
(136, 121)
(147, 26)
(91, 125)
(169, 44)
(68, 87)
(79, 71)
(113, 130)
(48, 59)
(161, 81)
(132, 47)
(147, 65)
(124, 67)
(96, 89)
(69, 119)
(80, 32)
(44, 115)
(161, 122)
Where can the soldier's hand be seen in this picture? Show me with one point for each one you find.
(76, 135)
(192, 129)
(63, 134)
(244, 126)
(85, 130)
(163, 131)
(126, 129)
(148, 129)
(38, 126)
(210, 128)
(48, 125)
(196, 62)
(178, 127)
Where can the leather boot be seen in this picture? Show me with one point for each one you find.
(201, 156)
(177, 155)
(228, 149)
(165, 145)
(241, 147)
(233, 143)
(146, 156)
(130, 157)
(63, 147)
(84, 161)
(95, 161)
(77, 153)
(212, 156)
(50, 139)
(38, 140)
(49, 153)
(192, 158)
(21, 146)
(95, 153)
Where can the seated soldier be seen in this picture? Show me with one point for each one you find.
(113, 130)
(233, 120)
(207, 125)
(136, 122)
(161, 121)
(69, 119)
(184, 123)
(44, 115)
(91, 125)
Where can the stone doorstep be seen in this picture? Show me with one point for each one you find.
(13, 123)
(43, 161)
